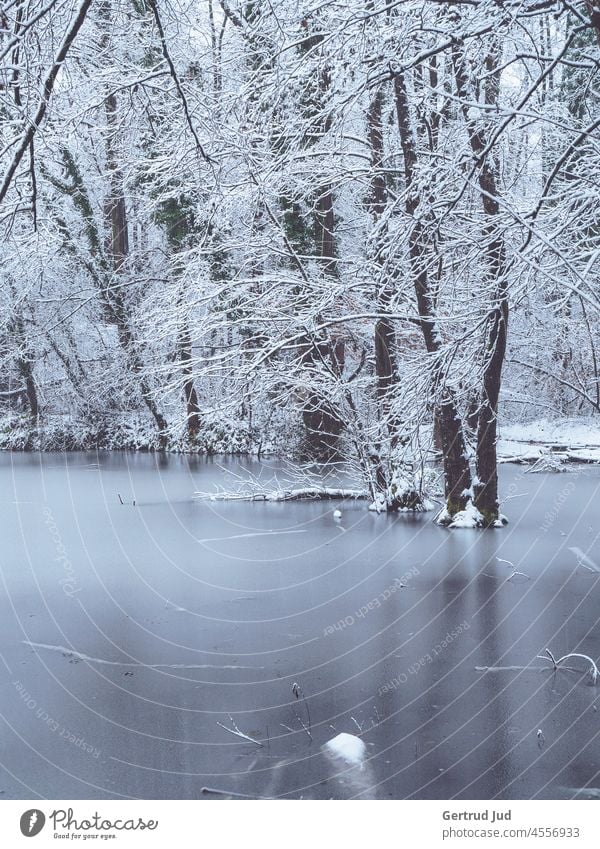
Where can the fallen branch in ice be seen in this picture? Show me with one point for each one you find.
(518, 574)
(520, 459)
(75, 656)
(593, 671)
(299, 485)
(511, 668)
(547, 463)
(312, 493)
(402, 495)
(556, 664)
(358, 725)
(584, 560)
(508, 562)
(251, 535)
(237, 733)
(523, 578)
(216, 792)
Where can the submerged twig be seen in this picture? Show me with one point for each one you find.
(357, 725)
(593, 671)
(237, 733)
(217, 792)
(510, 668)
(297, 691)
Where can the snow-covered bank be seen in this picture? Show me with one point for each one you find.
(557, 441)
(130, 432)
(552, 443)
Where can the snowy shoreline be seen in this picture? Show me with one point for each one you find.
(129, 433)
(562, 441)
(551, 443)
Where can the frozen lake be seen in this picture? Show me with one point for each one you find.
(131, 634)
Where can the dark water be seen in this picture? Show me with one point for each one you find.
(209, 613)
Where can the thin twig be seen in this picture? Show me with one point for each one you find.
(237, 733)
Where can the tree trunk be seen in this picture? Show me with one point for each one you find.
(117, 245)
(386, 372)
(321, 419)
(486, 489)
(118, 251)
(189, 390)
(25, 368)
(457, 474)
(594, 13)
(385, 334)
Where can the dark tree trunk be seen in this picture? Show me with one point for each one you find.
(457, 474)
(24, 362)
(594, 12)
(386, 372)
(321, 420)
(189, 390)
(385, 365)
(486, 490)
(437, 430)
(385, 334)
(25, 367)
(118, 250)
(325, 229)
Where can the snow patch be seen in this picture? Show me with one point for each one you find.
(379, 505)
(563, 431)
(550, 443)
(348, 747)
(470, 517)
